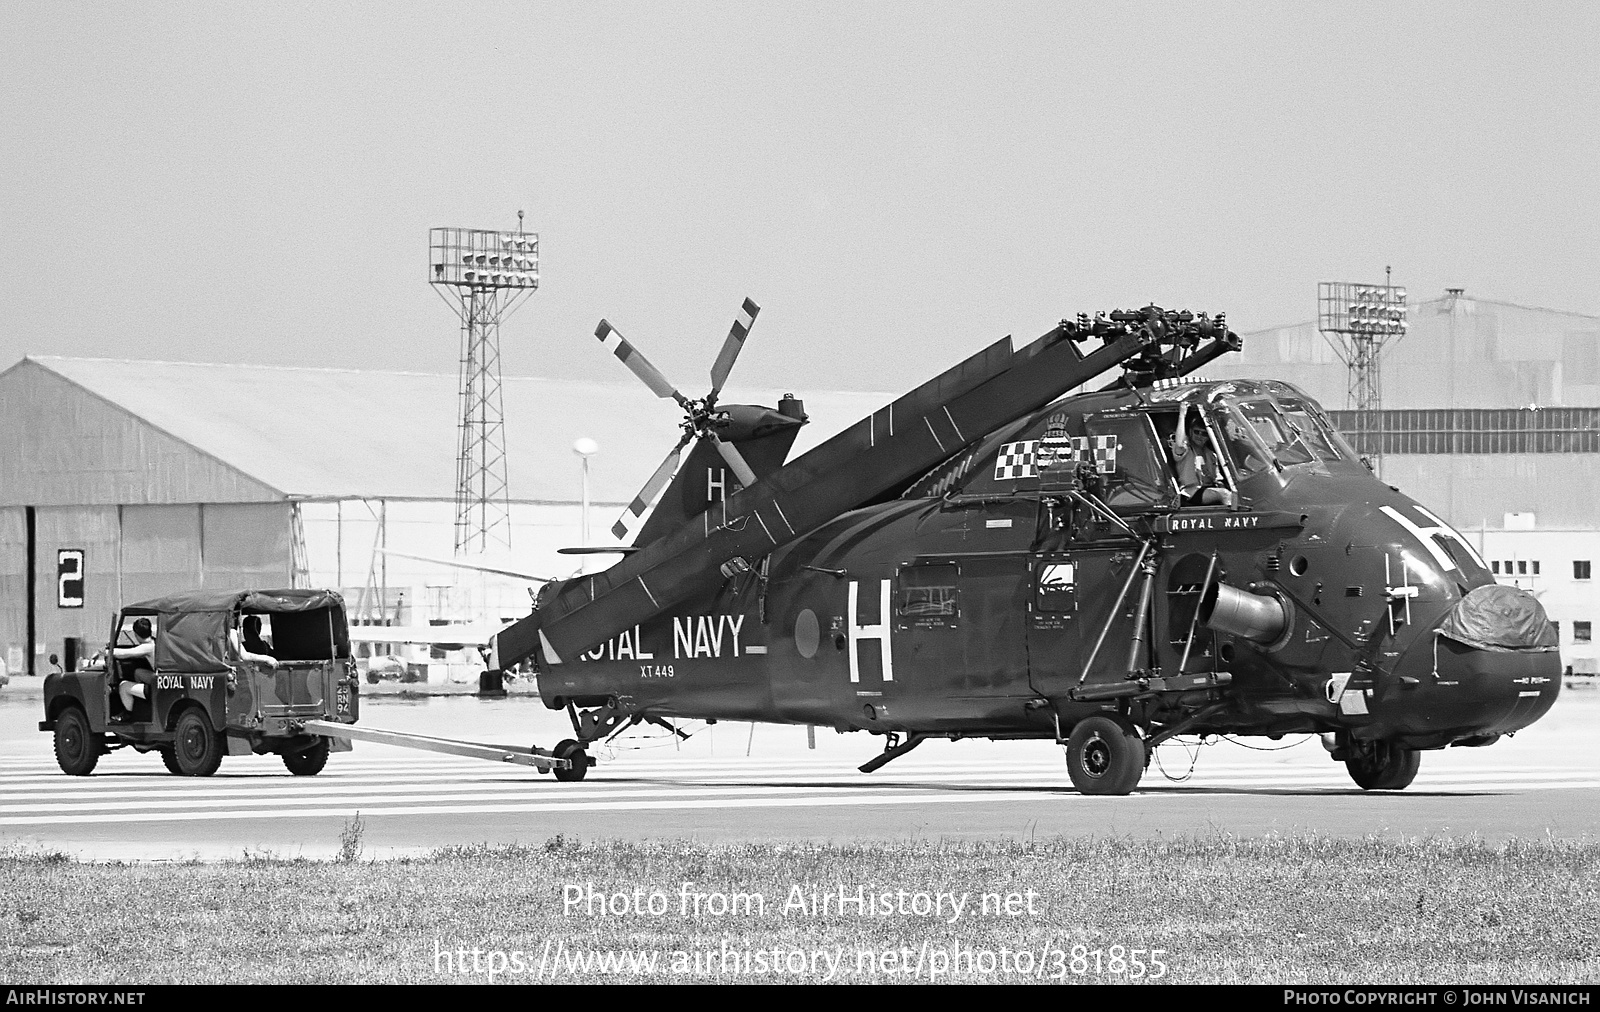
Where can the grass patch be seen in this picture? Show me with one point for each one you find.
(1302, 909)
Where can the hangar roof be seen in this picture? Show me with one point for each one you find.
(340, 433)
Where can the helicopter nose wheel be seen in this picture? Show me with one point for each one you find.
(1382, 766)
(573, 752)
(1105, 755)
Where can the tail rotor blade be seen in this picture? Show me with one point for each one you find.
(628, 523)
(731, 347)
(612, 338)
(736, 461)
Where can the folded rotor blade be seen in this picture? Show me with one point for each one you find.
(871, 459)
(629, 521)
(731, 347)
(736, 461)
(612, 338)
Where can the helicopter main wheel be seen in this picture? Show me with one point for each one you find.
(573, 752)
(1105, 755)
(169, 759)
(77, 751)
(198, 749)
(1384, 767)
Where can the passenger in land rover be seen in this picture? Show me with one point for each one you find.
(249, 645)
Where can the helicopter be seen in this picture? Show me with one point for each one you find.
(992, 555)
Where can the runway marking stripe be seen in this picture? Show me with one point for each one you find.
(123, 794)
(536, 806)
(1063, 794)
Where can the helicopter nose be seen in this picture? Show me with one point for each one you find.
(1490, 668)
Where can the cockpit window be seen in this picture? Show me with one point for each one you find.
(1246, 448)
(1283, 439)
(1127, 457)
(1319, 430)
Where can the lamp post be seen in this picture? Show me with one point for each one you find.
(585, 448)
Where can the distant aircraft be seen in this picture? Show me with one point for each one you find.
(481, 565)
(456, 636)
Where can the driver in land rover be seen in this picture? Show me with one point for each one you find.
(139, 670)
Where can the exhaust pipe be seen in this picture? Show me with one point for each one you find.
(1256, 618)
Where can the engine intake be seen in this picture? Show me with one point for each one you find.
(1254, 617)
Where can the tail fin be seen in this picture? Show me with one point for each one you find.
(705, 478)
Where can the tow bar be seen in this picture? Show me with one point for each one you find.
(540, 759)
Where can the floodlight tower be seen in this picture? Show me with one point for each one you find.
(1357, 320)
(483, 275)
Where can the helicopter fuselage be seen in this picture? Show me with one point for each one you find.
(1058, 569)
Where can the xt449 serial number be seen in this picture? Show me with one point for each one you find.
(1118, 961)
(656, 671)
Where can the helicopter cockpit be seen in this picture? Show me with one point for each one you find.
(1137, 446)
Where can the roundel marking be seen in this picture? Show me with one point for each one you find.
(807, 634)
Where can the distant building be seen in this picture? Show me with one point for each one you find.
(1491, 418)
(121, 481)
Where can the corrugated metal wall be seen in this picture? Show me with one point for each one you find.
(246, 545)
(132, 553)
(13, 587)
(151, 514)
(1459, 353)
(92, 530)
(1478, 490)
(64, 446)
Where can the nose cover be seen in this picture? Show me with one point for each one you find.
(1498, 617)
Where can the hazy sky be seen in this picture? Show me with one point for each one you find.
(896, 184)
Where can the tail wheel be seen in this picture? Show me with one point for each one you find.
(198, 749)
(1105, 755)
(574, 753)
(77, 749)
(1384, 767)
(309, 762)
(169, 759)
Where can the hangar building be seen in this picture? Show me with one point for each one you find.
(125, 480)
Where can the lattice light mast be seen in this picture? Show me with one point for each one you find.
(1357, 321)
(483, 275)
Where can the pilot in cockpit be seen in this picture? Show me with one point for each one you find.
(1199, 466)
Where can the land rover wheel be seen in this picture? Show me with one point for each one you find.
(308, 762)
(77, 751)
(198, 748)
(169, 759)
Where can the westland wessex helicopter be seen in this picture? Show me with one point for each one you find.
(987, 558)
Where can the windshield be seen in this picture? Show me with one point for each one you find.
(1317, 431)
(1257, 429)
(1248, 449)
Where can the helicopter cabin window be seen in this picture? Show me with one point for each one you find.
(1058, 587)
(927, 597)
(1129, 461)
